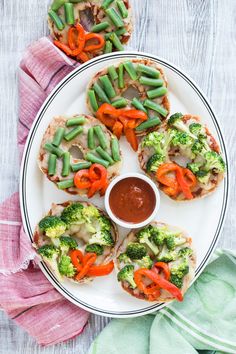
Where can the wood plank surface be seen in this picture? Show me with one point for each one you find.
(199, 36)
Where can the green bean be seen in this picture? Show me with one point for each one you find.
(69, 13)
(108, 47)
(107, 86)
(138, 105)
(104, 155)
(80, 166)
(101, 94)
(56, 19)
(120, 103)
(100, 27)
(101, 136)
(66, 164)
(57, 4)
(150, 82)
(91, 141)
(121, 82)
(91, 157)
(115, 17)
(106, 4)
(155, 107)
(52, 164)
(118, 32)
(58, 136)
(151, 122)
(148, 71)
(93, 100)
(158, 92)
(116, 42)
(53, 149)
(129, 67)
(75, 121)
(122, 8)
(115, 149)
(112, 73)
(67, 183)
(73, 133)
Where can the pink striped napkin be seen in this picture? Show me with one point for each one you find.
(26, 295)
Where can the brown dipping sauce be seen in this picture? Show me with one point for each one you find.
(132, 200)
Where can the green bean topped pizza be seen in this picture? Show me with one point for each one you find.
(130, 98)
(79, 155)
(84, 29)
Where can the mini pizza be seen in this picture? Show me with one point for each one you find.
(130, 98)
(183, 158)
(76, 240)
(86, 29)
(80, 155)
(156, 263)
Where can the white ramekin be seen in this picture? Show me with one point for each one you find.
(125, 224)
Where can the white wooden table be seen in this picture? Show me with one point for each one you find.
(199, 36)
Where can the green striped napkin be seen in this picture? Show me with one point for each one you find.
(204, 323)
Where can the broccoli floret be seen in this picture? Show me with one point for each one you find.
(73, 214)
(181, 270)
(174, 240)
(154, 140)
(145, 236)
(127, 274)
(185, 252)
(124, 258)
(50, 255)
(174, 279)
(176, 121)
(105, 223)
(194, 166)
(196, 129)
(66, 267)
(197, 147)
(67, 243)
(48, 251)
(214, 162)
(95, 248)
(154, 162)
(90, 212)
(145, 262)
(158, 236)
(102, 238)
(167, 255)
(136, 251)
(203, 176)
(53, 226)
(182, 139)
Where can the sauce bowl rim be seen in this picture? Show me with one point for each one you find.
(125, 224)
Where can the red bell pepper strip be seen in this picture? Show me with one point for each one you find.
(184, 185)
(91, 259)
(83, 57)
(79, 47)
(133, 114)
(117, 129)
(82, 180)
(100, 270)
(76, 257)
(162, 283)
(132, 138)
(165, 268)
(94, 47)
(63, 47)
